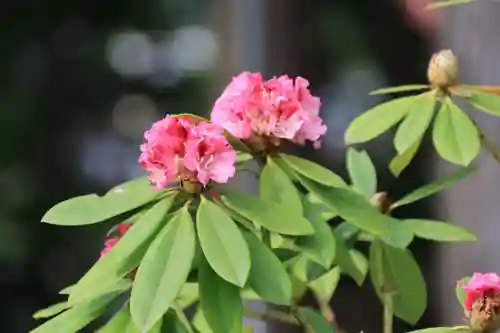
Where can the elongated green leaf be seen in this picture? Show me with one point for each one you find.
(377, 120)
(51, 310)
(220, 301)
(313, 171)
(163, 271)
(362, 172)
(222, 243)
(487, 102)
(121, 322)
(276, 186)
(346, 262)
(242, 157)
(435, 187)
(459, 290)
(415, 124)
(76, 318)
(188, 295)
(357, 210)
(316, 208)
(452, 329)
(401, 274)
(401, 161)
(273, 216)
(406, 87)
(446, 3)
(268, 278)
(200, 323)
(124, 256)
(324, 286)
(440, 231)
(315, 323)
(455, 136)
(91, 208)
(319, 246)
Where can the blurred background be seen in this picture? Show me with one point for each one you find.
(82, 80)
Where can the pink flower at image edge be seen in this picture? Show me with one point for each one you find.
(478, 285)
(281, 107)
(122, 229)
(177, 148)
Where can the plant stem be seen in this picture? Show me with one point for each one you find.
(266, 237)
(388, 312)
(271, 315)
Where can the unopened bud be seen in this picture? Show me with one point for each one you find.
(382, 202)
(443, 69)
(191, 187)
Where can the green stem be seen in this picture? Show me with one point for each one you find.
(272, 315)
(386, 291)
(266, 237)
(388, 312)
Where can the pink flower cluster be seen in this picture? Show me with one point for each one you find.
(111, 241)
(280, 107)
(179, 149)
(478, 286)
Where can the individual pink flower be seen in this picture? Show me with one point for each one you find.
(280, 108)
(479, 285)
(179, 149)
(122, 229)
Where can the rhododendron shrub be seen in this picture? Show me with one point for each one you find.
(189, 240)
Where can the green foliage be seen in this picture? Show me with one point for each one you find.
(455, 136)
(220, 301)
(163, 271)
(459, 290)
(439, 231)
(453, 329)
(315, 323)
(484, 101)
(91, 208)
(402, 160)
(362, 172)
(222, 243)
(446, 3)
(405, 88)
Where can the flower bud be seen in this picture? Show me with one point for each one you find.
(484, 316)
(382, 202)
(443, 69)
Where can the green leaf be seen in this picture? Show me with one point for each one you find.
(489, 103)
(435, 187)
(377, 120)
(346, 262)
(200, 323)
(401, 161)
(163, 271)
(316, 209)
(273, 216)
(453, 329)
(324, 286)
(91, 208)
(359, 261)
(175, 322)
(188, 295)
(440, 231)
(455, 136)
(222, 243)
(67, 290)
(357, 210)
(51, 310)
(124, 256)
(319, 246)
(362, 172)
(313, 171)
(277, 187)
(446, 3)
(242, 157)
(415, 124)
(220, 301)
(121, 322)
(406, 87)
(401, 274)
(268, 278)
(315, 323)
(76, 318)
(459, 290)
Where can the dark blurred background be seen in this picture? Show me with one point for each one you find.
(82, 80)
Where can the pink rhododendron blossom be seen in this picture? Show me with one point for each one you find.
(179, 149)
(281, 107)
(122, 229)
(478, 286)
